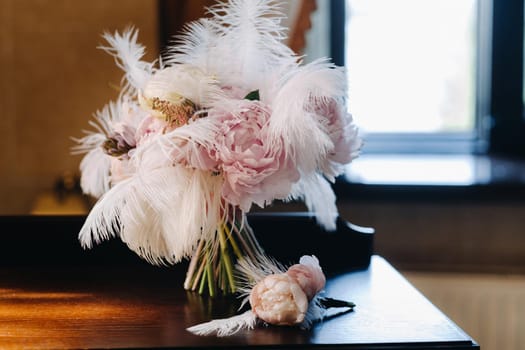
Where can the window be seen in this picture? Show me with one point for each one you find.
(411, 70)
(434, 76)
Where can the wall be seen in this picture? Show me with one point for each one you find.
(52, 79)
(483, 236)
(489, 307)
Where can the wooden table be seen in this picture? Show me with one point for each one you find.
(146, 307)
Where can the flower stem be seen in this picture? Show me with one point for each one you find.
(230, 238)
(198, 276)
(193, 266)
(212, 266)
(227, 260)
(203, 282)
(210, 274)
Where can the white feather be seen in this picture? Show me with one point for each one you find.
(187, 207)
(293, 118)
(180, 204)
(141, 227)
(103, 221)
(95, 178)
(95, 167)
(185, 141)
(171, 206)
(122, 212)
(227, 326)
(102, 123)
(319, 198)
(160, 214)
(195, 46)
(251, 271)
(182, 80)
(128, 55)
(163, 210)
(250, 42)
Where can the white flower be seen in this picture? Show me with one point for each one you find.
(176, 84)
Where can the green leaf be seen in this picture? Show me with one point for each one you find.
(253, 96)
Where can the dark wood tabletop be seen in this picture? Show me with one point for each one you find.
(56, 307)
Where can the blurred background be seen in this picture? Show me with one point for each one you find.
(52, 80)
(436, 87)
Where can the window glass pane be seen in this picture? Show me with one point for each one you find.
(412, 64)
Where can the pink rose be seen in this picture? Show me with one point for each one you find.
(254, 170)
(279, 300)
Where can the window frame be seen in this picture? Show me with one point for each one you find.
(507, 124)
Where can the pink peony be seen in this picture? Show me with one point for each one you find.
(343, 133)
(279, 300)
(282, 299)
(254, 170)
(309, 275)
(149, 127)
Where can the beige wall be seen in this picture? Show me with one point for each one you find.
(471, 236)
(52, 79)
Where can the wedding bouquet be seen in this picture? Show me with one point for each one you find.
(228, 119)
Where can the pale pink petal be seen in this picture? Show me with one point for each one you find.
(279, 300)
(309, 275)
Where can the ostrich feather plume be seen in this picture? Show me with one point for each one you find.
(195, 46)
(250, 41)
(227, 326)
(128, 55)
(319, 198)
(295, 120)
(95, 166)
